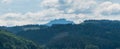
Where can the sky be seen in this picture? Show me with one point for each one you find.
(23, 12)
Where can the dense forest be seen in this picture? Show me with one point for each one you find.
(90, 34)
(10, 41)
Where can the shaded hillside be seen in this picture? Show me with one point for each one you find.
(10, 41)
(16, 29)
(91, 34)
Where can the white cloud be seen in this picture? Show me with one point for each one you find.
(6, 1)
(69, 6)
(69, 9)
(49, 3)
(41, 17)
(108, 8)
(74, 10)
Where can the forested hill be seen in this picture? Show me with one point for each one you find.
(90, 34)
(10, 41)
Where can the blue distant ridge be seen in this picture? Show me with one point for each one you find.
(59, 21)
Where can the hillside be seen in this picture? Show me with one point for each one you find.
(91, 34)
(10, 41)
(59, 21)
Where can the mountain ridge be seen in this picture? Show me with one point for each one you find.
(90, 34)
(59, 21)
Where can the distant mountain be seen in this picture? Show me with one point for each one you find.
(91, 34)
(10, 41)
(16, 29)
(59, 21)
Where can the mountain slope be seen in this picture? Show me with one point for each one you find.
(59, 21)
(94, 34)
(16, 29)
(10, 41)
(91, 34)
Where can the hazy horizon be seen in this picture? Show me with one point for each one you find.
(23, 12)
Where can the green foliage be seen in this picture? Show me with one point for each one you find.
(10, 41)
(117, 48)
(91, 47)
(91, 34)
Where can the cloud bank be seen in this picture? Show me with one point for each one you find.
(14, 12)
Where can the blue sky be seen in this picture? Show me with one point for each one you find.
(22, 12)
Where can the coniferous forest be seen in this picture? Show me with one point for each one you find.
(90, 34)
(59, 24)
(10, 41)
